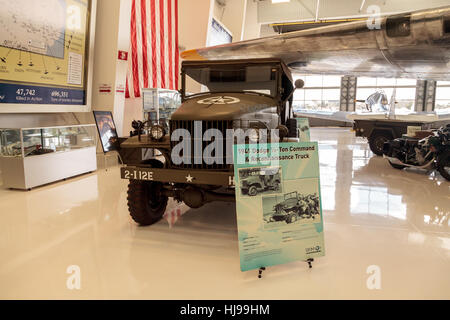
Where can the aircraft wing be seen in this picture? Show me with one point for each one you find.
(409, 45)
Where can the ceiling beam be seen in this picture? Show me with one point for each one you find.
(317, 10)
(362, 5)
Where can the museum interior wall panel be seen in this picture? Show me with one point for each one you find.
(105, 53)
(194, 19)
(252, 27)
(113, 34)
(105, 59)
(193, 23)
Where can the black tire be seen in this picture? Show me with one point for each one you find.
(276, 186)
(252, 191)
(444, 166)
(291, 124)
(291, 219)
(377, 140)
(397, 166)
(146, 203)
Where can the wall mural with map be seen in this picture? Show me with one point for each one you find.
(43, 51)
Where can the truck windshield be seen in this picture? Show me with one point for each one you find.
(290, 195)
(262, 79)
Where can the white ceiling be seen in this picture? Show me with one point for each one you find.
(300, 10)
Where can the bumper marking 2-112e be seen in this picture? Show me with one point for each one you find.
(205, 177)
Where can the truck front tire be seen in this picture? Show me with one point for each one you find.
(276, 186)
(291, 218)
(252, 191)
(377, 140)
(146, 203)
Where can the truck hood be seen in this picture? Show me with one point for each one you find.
(289, 203)
(222, 106)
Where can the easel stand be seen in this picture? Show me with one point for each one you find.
(260, 272)
(309, 262)
(104, 159)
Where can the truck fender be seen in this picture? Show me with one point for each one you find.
(389, 131)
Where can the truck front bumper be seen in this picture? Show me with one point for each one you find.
(204, 177)
(279, 217)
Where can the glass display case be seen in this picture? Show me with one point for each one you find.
(34, 156)
(38, 141)
(159, 104)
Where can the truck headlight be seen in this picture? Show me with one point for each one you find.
(254, 134)
(157, 132)
(254, 130)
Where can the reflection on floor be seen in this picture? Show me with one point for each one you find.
(373, 214)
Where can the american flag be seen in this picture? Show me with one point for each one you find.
(154, 54)
(173, 214)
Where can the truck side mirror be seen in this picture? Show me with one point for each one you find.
(299, 83)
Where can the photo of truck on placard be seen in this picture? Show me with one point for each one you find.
(291, 208)
(262, 180)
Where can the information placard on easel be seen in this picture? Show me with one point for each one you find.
(278, 204)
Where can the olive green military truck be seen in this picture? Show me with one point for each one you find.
(239, 94)
(260, 180)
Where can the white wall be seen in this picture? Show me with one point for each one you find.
(112, 35)
(251, 28)
(194, 17)
(232, 16)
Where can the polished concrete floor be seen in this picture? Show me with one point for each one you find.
(374, 216)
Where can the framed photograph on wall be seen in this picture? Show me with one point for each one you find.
(46, 55)
(106, 130)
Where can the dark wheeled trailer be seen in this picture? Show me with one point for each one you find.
(379, 131)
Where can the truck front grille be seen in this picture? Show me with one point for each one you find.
(197, 163)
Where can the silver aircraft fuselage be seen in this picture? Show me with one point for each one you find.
(409, 45)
